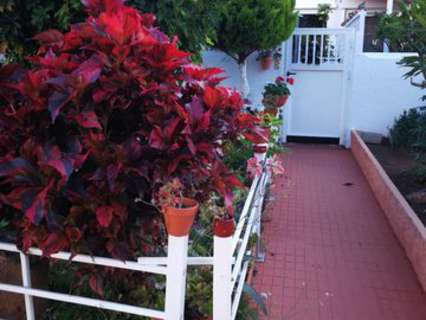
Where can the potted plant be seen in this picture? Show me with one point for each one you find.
(223, 224)
(178, 211)
(275, 95)
(265, 58)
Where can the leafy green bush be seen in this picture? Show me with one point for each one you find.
(402, 133)
(409, 130)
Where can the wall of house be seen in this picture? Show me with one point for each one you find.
(340, 8)
(378, 93)
(258, 78)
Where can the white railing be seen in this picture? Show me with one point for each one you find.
(317, 48)
(229, 268)
(357, 22)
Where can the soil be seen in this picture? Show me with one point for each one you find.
(401, 166)
(12, 306)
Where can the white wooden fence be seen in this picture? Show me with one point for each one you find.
(229, 268)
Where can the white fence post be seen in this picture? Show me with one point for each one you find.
(177, 256)
(26, 282)
(222, 278)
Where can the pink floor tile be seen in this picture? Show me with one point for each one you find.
(331, 252)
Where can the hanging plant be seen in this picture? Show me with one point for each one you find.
(265, 58)
(275, 95)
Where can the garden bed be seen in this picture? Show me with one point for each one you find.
(406, 172)
(407, 226)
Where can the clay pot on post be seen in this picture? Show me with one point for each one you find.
(179, 220)
(266, 62)
(260, 150)
(223, 227)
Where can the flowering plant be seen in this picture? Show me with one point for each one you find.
(109, 113)
(278, 88)
(273, 164)
(170, 194)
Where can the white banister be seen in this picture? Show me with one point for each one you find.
(229, 272)
(26, 282)
(68, 298)
(177, 253)
(222, 281)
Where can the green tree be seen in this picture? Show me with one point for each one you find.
(246, 26)
(406, 31)
(192, 21)
(20, 20)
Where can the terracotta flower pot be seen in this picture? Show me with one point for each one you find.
(266, 62)
(223, 227)
(281, 100)
(179, 220)
(274, 102)
(260, 148)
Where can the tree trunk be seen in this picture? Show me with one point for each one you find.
(245, 90)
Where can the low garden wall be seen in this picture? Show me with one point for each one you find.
(407, 226)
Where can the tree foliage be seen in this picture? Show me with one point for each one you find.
(192, 21)
(406, 31)
(20, 20)
(246, 26)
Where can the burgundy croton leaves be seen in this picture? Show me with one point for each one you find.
(109, 112)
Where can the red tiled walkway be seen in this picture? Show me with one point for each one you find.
(331, 252)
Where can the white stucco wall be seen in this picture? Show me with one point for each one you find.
(378, 93)
(258, 78)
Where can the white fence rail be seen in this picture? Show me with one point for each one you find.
(317, 48)
(229, 268)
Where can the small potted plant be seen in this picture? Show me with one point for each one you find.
(260, 150)
(178, 211)
(275, 95)
(223, 225)
(265, 58)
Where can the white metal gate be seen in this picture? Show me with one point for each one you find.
(319, 60)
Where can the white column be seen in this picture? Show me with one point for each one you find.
(26, 282)
(222, 278)
(389, 10)
(389, 6)
(177, 254)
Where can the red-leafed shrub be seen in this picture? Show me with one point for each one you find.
(109, 112)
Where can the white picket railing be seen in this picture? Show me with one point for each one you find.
(317, 48)
(229, 268)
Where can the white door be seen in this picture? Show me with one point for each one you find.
(318, 58)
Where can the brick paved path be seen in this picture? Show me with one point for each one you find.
(331, 252)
